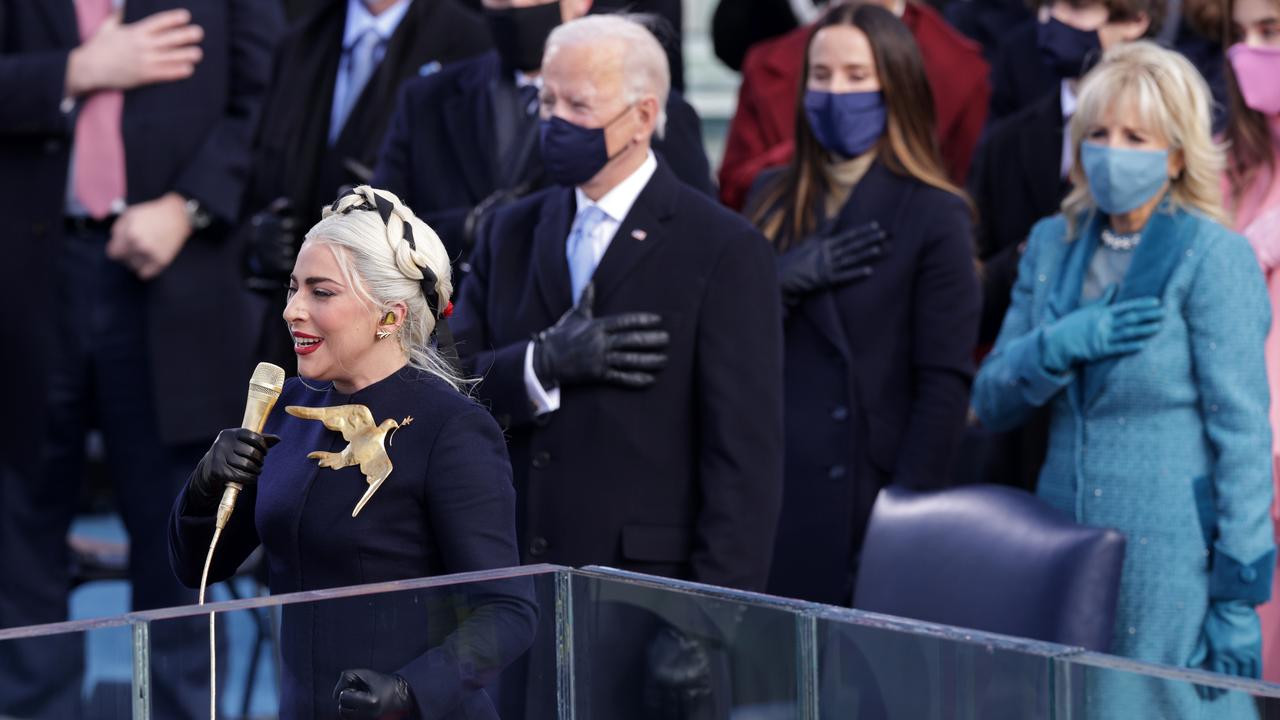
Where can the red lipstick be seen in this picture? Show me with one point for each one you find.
(304, 344)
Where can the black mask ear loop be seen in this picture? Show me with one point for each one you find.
(443, 334)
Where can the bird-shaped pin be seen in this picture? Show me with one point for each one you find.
(364, 442)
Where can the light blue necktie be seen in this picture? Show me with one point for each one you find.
(362, 59)
(582, 260)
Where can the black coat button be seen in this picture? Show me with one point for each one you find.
(840, 413)
(835, 472)
(537, 546)
(541, 459)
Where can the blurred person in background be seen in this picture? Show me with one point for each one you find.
(333, 90)
(1252, 188)
(1140, 320)
(1062, 41)
(627, 332)
(875, 263)
(124, 142)
(464, 142)
(762, 131)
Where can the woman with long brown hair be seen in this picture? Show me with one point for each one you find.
(875, 262)
(1252, 190)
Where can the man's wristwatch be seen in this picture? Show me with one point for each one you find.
(197, 215)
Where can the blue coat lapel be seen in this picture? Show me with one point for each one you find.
(1164, 245)
(1066, 290)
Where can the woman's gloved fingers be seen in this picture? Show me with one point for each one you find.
(1142, 303)
(1135, 332)
(1143, 314)
(850, 274)
(856, 258)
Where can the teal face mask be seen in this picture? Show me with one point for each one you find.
(1122, 179)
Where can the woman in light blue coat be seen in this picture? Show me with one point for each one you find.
(1140, 320)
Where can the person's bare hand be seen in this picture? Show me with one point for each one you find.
(161, 47)
(148, 236)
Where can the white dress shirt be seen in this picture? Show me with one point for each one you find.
(1069, 103)
(615, 204)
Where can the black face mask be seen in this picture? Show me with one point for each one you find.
(519, 34)
(1065, 49)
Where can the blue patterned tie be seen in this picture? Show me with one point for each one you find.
(362, 60)
(578, 248)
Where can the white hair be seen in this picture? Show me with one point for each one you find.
(645, 70)
(1171, 97)
(378, 262)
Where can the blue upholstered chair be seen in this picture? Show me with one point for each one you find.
(990, 558)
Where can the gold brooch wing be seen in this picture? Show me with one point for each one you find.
(364, 442)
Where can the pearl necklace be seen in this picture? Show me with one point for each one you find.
(1120, 243)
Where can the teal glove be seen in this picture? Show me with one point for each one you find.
(1230, 643)
(1100, 330)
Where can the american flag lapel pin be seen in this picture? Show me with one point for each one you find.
(639, 234)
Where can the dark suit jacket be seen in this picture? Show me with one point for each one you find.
(762, 132)
(877, 381)
(1016, 181)
(681, 479)
(292, 156)
(440, 154)
(447, 507)
(1019, 74)
(192, 136)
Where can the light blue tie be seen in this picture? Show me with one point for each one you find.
(362, 60)
(582, 259)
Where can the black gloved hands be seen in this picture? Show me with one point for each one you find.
(272, 246)
(369, 695)
(236, 456)
(624, 349)
(821, 262)
(677, 677)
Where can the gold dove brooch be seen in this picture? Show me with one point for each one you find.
(364, 442)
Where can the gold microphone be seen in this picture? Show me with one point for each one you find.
(264, 390)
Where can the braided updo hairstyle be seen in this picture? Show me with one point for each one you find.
(386, 265)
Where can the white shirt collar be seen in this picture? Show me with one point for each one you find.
(359, 19)
(617, 202)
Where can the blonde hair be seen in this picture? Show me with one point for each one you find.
(1173, 101)
(644, 62)
(378, 261)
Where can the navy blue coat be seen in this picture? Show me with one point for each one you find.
(440, 155)
(681, 479)
(877, 381)
(192, 136)
(448, 507)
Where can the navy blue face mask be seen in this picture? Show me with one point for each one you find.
(1066, 49)
(847, 124)
(572, 154)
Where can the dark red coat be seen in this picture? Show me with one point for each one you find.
(762, 132)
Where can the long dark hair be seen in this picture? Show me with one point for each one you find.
(1247, 136)
(786, 211)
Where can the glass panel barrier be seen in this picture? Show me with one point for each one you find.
(61, 671)
(647, 647)
(1105, 686)
(876, 666)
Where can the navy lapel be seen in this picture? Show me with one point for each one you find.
(469, 117)
(640, 232)
(1164, 244)
(551, 269)
(61, 15)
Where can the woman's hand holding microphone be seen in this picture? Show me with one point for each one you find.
(235, 456)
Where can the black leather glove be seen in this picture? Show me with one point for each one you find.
(677, 677)
(370, 695)
(623, 349)
(824, 261)
(272, 246)
(236, 456)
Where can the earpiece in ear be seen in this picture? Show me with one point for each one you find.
(389, 318)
